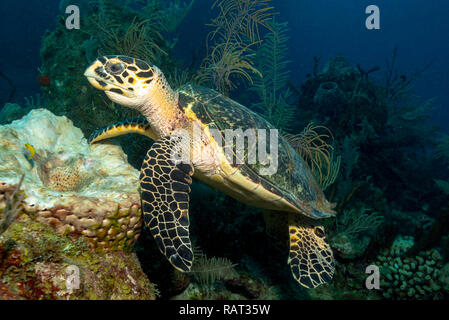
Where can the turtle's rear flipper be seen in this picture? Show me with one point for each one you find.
(165, 201)
(136, 125)
(310, 257)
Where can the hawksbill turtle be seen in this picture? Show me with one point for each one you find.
(165, 179)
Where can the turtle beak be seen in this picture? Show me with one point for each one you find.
(93, 74)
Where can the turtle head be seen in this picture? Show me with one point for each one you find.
(125, 80)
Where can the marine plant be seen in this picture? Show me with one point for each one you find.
(230, 55)
(364, 120)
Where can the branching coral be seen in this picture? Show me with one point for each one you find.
(406, 112)
(235, 32)
(271, 87)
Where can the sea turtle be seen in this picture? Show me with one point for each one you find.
(165, 177)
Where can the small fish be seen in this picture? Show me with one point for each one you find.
(31, 151)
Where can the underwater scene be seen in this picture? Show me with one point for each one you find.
(224, 150)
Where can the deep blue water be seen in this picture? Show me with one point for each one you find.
(317, 28)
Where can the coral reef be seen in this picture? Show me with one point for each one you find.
(75, 188)
(415, 277)
(73, 198)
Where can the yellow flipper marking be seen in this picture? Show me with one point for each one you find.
(137, 125)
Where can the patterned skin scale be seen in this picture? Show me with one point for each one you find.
(165, 184)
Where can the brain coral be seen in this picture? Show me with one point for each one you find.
(78, 189)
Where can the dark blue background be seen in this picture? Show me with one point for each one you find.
(418, 28)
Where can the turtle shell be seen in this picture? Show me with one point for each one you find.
(291, 181)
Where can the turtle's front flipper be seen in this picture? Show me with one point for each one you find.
(310, 257)
(136, 125)
(165, 200)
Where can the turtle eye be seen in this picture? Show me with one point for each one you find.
(319, 232)
(115, 68)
